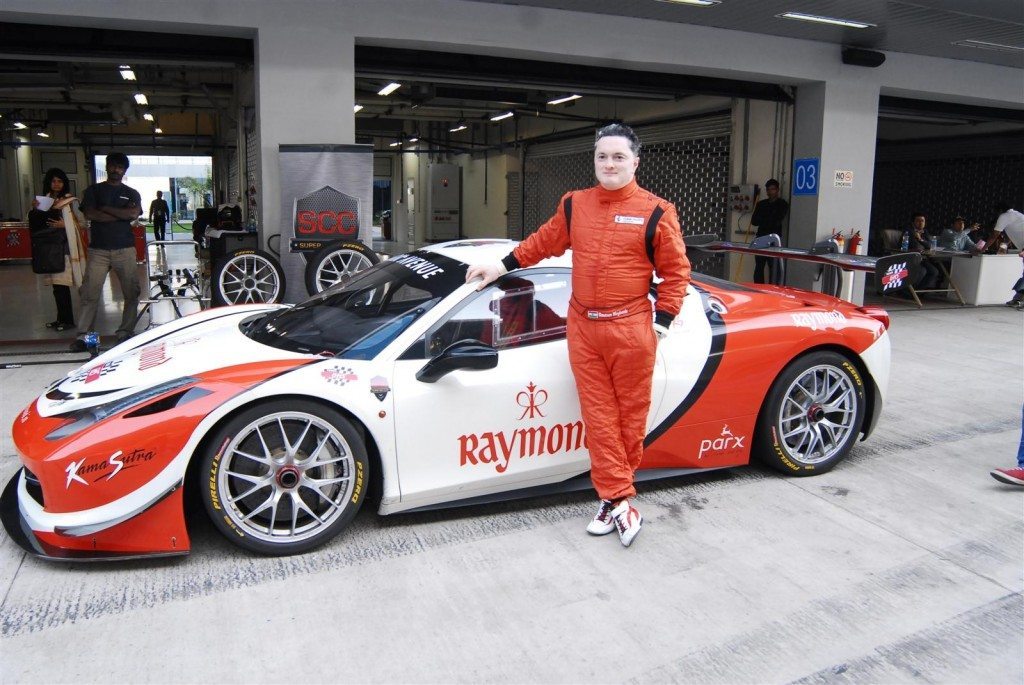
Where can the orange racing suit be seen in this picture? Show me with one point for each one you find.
(615, 236)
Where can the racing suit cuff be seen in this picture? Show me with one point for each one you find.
(508, 263)
(663, 318)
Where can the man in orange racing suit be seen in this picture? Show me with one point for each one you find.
(618, 233)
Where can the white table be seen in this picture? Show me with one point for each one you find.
(988, 278)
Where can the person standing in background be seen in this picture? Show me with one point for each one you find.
(65, 216)
(158, 213)
(768, 217)
(111, 206)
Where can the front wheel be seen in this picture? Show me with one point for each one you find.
(284, 477)
(812, 415)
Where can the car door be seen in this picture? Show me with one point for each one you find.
(477, 432)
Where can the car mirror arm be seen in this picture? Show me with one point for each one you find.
(461, 354)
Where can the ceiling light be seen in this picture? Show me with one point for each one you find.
(986, 45)
(414, 140)
(158, 130)
(460, 127)
(140, 99)
(147, 116)
(43, 134)
(126, 72)
(849, 23)
(19, 125)
(503, 115)
(567, 98)
(389, 89)
(356, 108)
(396, 143)
(697, 3)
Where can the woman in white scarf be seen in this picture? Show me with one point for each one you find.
(64, 214)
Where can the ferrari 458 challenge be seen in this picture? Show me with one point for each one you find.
(408, 383)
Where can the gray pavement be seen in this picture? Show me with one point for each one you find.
(904, 564)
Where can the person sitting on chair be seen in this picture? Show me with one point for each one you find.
(920, 242)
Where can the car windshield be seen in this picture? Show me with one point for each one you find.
(357, 319)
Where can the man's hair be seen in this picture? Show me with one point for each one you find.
(919, 214)
(619, 130)
(119, 158)
(771, 182)
(159, 193)
(52, 174)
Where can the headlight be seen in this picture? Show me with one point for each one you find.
(83, 418)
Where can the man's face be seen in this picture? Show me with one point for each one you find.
(115, 171)
(614, 162)
(919, 222)
(773, 191)
(958, 225)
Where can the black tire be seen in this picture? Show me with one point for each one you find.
(812, 415)
(335, 263)
(265, 499)
(247, 276)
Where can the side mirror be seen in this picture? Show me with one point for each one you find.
(461, 354)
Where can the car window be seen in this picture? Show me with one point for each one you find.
(517, 310)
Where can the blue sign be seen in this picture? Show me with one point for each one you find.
(805, 176)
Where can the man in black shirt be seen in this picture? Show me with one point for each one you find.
(111, 206)
(158, 213)
(768, 217)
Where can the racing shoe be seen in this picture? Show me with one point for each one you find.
(602, 523)
(1009, 476)
(628, 520)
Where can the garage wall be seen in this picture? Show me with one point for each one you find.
(483, 214)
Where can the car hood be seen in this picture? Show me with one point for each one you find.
(152, 360)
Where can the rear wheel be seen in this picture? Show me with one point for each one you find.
(812, 415)
(248, 276)
(284, 477)
(336, 263)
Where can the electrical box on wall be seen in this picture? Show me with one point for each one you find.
(444, 211)
(741, 197)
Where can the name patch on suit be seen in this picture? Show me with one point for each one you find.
(620, 219)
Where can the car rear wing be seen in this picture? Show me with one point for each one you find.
(893, 273)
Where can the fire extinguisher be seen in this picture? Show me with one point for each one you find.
(840, 240)
(854, 242)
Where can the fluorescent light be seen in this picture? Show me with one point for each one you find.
(414, 140)
(395, 144)
(849, 23)
(140, 99)
(986, 45)
(503, 115)
(389, 89)
(126, 72)
(19, 125)
(697, 3)
(43, 134)
(356, 108)
(158, 130)
(147, 116)
(567, 98)
(460, 127)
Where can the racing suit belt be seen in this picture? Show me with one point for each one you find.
(627, 309)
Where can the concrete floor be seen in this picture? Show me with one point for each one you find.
(904, 564)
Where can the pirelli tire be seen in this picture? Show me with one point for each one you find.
(812, 414)
(335, 263)
(284, 477)
(247, 276)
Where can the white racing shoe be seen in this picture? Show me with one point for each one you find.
(602, 523)
(628, 520)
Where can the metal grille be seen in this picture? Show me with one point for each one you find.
(252, 151)
(233, 187)
(692, 173)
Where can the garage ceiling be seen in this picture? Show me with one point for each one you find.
(68, 76)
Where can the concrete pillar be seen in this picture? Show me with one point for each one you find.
(305, 90)
(837, 122)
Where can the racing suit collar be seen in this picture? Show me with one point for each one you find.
(623, 193)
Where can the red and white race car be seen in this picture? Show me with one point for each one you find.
(409, 384)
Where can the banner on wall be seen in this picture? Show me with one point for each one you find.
(326, 196)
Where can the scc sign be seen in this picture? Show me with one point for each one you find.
(326, 213)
